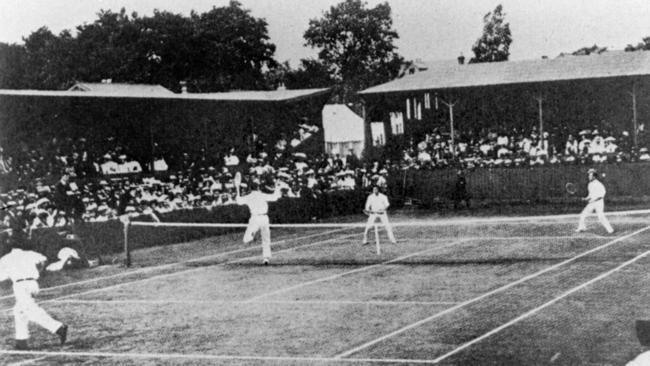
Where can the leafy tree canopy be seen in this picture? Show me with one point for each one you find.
(222, 49)
(494, 44)
(641, 46)
(356, 45)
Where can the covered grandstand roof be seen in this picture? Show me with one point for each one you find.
(263, 95)
(121, 88)
(240, 96)
(453, 75)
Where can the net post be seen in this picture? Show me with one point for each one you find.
(127, 252)
(377, 239)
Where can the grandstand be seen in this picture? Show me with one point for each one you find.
(455, 287)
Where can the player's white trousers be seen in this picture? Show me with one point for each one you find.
(27, 310)
(259, 223)
(384, 220)
(599, 208)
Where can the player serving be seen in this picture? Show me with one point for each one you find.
(376, 206)
(595, 202)
(258, 206)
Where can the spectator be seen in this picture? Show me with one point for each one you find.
(459, 193)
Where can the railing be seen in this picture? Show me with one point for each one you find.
(526, 184)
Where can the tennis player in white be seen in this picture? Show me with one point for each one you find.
(23, 267)
(595, 203)
(376, 206)
(257, 203)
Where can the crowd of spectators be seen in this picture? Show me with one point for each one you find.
(65, 181)
(70, 179)
(518, 147)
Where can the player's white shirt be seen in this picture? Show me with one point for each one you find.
(377, 203)
(596, 190)
(20, 264)
(257, 202)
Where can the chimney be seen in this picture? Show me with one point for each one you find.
(461, 59)
(183, 84)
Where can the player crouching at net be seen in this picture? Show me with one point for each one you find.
(23, 266)
(258, 206)
(376, 206)
(595, 202)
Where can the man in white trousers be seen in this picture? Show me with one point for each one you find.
(23, 267)
(258, 206)
(376, 206)
(595, 203)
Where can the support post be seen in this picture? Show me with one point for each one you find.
(634, 118)
(541, 116)
(127, 252)
(451, 126)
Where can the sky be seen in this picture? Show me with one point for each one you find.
(429, 29)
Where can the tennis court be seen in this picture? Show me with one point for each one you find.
(520, 291)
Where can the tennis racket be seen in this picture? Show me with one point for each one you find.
(571, 188)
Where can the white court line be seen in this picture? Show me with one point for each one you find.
(280, 302)
(156, 277)
(27, 362)
(366, 268)
(533, 238)
(541, 307)
(198, 356)
(437, 222)
(481, 297)
(170, 265)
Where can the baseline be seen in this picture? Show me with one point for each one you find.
(198, 356)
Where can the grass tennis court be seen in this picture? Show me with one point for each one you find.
(483, 292)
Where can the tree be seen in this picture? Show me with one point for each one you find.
(356, 45)
(586, 51)
(12, 66)
(47, 59)
(222, 49)
(107, 48)
(232, 48)
(310, 74)
(494, 44)
(641, 46)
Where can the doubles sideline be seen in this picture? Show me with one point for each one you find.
(275, 302)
